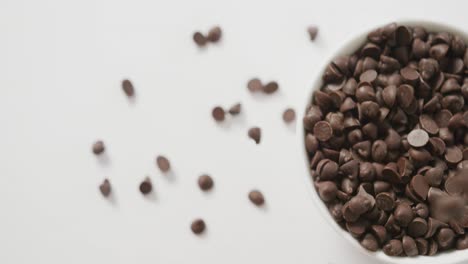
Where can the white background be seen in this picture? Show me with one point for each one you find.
(61, 64)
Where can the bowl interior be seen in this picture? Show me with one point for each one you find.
(350, 46)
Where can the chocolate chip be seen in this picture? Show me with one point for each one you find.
(312, 144)
(453, 155)
(235, 109)
(433, 247)
(214, 35)
(327, 169)
(289, 115)
(409, 246)
(146, 186)
(422, 245)
(445, 238)
(437, 146)
(393, 248)
(434, 176)
(368, 76)
(403, 214)
(370, 243)
(327, 190)
(255, 133)
(323, 131)
(405, 95)
(105, 188)
(389, 94)
(312, 31)
(428, 124)
(270, 87)
(403, 36)
(442, 118)
(205, 182)
(462, 242)
(385, 201)
(198, 226)
(98, 147)
(410, 75)
(420, 48)
(255, 85)
(128, 88)
(379, 150)
(218, 113)
(438, 51)
(417, 227)
(418, 138)
(163, 163)
(256, 197)
(199, 39)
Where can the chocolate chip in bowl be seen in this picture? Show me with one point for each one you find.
(389, 110)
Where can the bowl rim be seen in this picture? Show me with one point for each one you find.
(351, 45)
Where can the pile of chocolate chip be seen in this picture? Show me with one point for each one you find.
(386, 136)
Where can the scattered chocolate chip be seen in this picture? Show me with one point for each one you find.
(255, 85)
(214, 35)
(270, 87)
(199, 39)
(255, 133)
(313, 31)
(289, 115)
(198, 226)
(218, 113)
(205, 182)
(256, 197)
(146, 186)
(163, 163)
(98, 147)
(128, 88)
(235, 109)
(105, 188)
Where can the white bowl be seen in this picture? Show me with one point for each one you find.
(451, 257)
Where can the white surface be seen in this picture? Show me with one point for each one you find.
(61, 63)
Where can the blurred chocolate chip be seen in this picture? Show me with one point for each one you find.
(199, 39)
(105, 188)
(270, 87)
(312, 31)
(146, 186)
(254, 85)
(205, 182)
(289, 115)
(98, 147)
(163, 163)
(128, 88)
(198, 226)
(255, 133)
(214, 35)
(218, 113)
(235, 109)
(256, 197)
